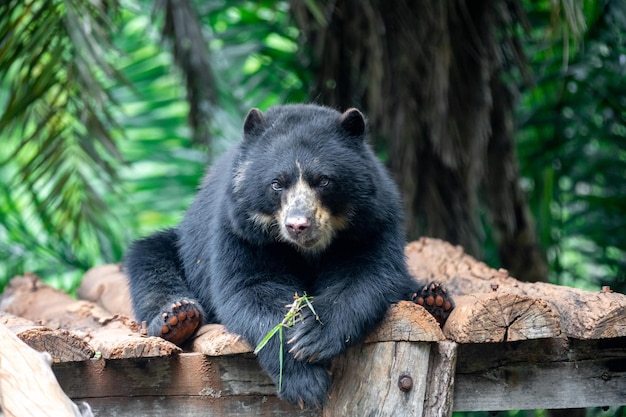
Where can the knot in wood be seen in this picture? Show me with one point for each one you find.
(405, 383)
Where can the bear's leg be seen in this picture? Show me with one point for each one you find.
(159, 291)
(434, 298)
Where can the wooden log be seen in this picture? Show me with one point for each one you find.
(113, 336)
(107, 286)
(409, 322)
(28, 297)
(62, 345)
(582, 314)
(27, 385)
(501, 317)
(215, 340)
(405, 321)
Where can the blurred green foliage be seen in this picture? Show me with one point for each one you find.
(572, 145)
(96, 148)
(596, 412)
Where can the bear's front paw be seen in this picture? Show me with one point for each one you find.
(308, 387)
(312, 341)
(434, 298)
(176, 322)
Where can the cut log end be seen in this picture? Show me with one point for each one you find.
(215, 340)
(409, 322)
(495, 317)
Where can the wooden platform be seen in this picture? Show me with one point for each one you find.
(508, 345)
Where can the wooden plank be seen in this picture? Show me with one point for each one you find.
(540, 374)
(153, 406)
(439, 397)
(187, 374)
(368, 379)
(592, 383)
(234, 385)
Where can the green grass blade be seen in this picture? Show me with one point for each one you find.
(267, 338)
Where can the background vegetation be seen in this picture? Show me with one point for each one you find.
(504, 122)
(111, 110)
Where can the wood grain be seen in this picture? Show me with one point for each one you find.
(581, 314)
(27, 385)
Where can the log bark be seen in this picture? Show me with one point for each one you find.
(27, 385)
(113, 336)
(581, 314)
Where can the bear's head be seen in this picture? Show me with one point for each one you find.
(304, 174)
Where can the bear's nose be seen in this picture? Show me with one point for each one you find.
(297, 224)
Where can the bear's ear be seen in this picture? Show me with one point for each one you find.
(254, 123)
(353, 122)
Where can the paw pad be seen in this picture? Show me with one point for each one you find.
(179, 321)
(434, 298)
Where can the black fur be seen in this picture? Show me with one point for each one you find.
(243, 274)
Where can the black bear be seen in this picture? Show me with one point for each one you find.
(301, 205)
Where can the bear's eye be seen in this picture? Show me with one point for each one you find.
(277, 186)
(323, 181)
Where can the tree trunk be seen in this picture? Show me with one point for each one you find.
(424, 73)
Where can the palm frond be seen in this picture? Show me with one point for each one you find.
(184, 31)
(59, 156)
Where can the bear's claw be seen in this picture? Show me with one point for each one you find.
(177, 322)
(434, 298)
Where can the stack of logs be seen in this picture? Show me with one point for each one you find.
(493, 312)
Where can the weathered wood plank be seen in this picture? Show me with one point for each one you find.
(543, 373)
(439, 397)
(368, 379)
(153, 406)
(591, 383)
(187, 374)
(540, 374)
(192, 381)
